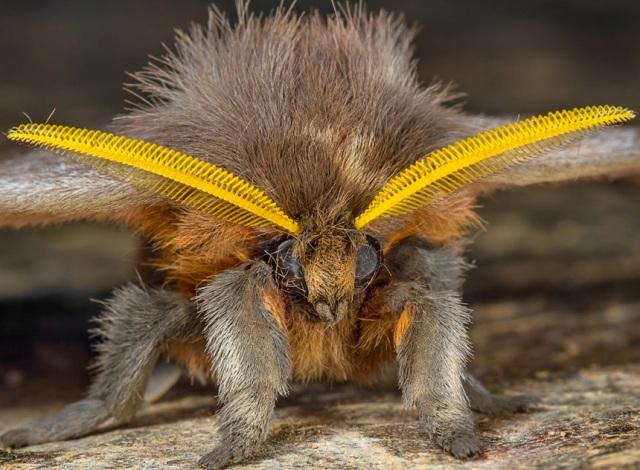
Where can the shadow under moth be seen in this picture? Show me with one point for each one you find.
(307, 203)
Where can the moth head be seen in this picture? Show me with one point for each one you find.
(329, 269)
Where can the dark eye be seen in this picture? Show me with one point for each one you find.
(289, 270)
(367, 262)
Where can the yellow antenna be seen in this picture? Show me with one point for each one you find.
(449, 168)
(179, 177)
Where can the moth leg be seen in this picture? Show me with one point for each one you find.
(135, 326)
(74, 420)
(431, 358)
(432, 347)
(447, 269)
(250, 355)
(163, 378)
(484, 401)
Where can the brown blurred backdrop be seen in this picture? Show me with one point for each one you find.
(509, 57)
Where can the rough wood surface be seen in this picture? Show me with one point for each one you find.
(589, 418)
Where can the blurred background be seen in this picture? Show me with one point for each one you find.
(557, 286)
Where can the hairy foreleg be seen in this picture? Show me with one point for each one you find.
(445, 269)
(432, 347)
(431, 358)
(250, 355)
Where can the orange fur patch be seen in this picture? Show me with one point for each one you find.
(374, 347)
(402, 325)
(191, 247)
(276, 306)
(192, 356)
(317, 351)
(444, 221)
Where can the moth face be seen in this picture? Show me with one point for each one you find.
(327, 270)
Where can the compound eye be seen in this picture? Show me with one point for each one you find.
(289, 270)
(368, 262)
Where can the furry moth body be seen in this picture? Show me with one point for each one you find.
(319, 241)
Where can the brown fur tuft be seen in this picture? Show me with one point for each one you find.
(319, 112)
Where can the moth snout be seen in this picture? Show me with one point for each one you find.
(331, 312)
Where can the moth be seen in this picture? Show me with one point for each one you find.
(308, 203)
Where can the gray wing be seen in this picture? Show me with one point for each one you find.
(607, 153)
(40, 188)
